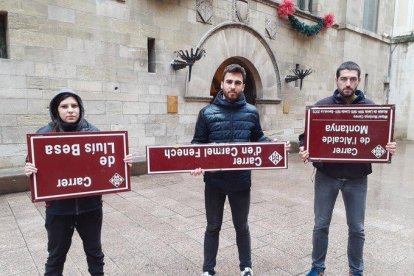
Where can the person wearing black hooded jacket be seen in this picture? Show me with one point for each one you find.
(83, 214)
(349, 178)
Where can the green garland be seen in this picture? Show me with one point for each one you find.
(303, 28)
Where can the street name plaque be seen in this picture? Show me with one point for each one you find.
(213, 157)
(78, 164)
(349, 133)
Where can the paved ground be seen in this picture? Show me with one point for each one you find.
(157, 229)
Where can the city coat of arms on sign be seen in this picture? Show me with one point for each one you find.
(241, 11)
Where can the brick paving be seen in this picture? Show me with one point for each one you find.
(157, 228)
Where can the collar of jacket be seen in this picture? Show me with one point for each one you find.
(360, 97)
(221, 100)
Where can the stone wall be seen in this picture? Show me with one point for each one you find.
(99, 48)
(402, 87)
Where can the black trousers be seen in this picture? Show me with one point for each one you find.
(240, 205)
(60, 230)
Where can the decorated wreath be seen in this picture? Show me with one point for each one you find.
(287, 8)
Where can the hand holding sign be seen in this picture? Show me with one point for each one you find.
(29, 169)
(350, 133)
(391, 147)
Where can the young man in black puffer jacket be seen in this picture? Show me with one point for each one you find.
(229, 119)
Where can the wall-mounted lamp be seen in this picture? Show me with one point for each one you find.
(188, 59)
(299, 75)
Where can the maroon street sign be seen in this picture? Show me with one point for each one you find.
(78, 164)
(212, 157)
(349, 133)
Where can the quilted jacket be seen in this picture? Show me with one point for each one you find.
(228, 122)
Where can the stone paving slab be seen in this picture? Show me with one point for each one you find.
(158, 227)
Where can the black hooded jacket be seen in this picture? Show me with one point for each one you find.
(77, 205)
(342, 170)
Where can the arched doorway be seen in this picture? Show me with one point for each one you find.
(239, 43)
(250, 86)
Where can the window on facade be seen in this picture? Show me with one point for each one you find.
(366, 83)
(151, 55)
(3, 34)
(370, 19)
(305, 5)
(297, 81)
(404, 18)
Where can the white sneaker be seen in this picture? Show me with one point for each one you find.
(206, 273)
(246, 272)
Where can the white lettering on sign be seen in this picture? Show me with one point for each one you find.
(63, 149)
(107, 161)
(347, 128)
(257, 161)
(351, 151)
(182, 152)
(100, 147)
(339, 139)
(364, 140)
(233, 151)
(75, 181)
(251, 150)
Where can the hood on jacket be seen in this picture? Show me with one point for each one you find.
(63, 94)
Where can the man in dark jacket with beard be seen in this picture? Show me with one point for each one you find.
(349, 178)
(229, 119)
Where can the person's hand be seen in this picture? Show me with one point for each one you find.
(197, 171)
(287, 146)
(29, 169)
(391, 147)
(128, 159)
(304, 154)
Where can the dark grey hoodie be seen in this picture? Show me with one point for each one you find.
(78, 205)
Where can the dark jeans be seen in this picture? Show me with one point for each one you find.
(59, 232)
(354, 194)
(240, 204)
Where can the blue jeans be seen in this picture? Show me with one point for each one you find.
(240, 205)
(354, 194)
(60, 231)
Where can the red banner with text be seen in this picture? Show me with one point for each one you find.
(349, 133)
(78, 164)
(212, 157)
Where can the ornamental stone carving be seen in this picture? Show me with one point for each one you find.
(270, 28)
(241, 11)
(204, 11)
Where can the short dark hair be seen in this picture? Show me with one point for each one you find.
(234, 68)
(348, 65)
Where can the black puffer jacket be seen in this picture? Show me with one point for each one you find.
(343, 170)
(228, 122)
(78, 205)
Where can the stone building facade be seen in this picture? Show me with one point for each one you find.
(401, 91)
(117, 54)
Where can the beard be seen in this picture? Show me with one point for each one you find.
(347, 92)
